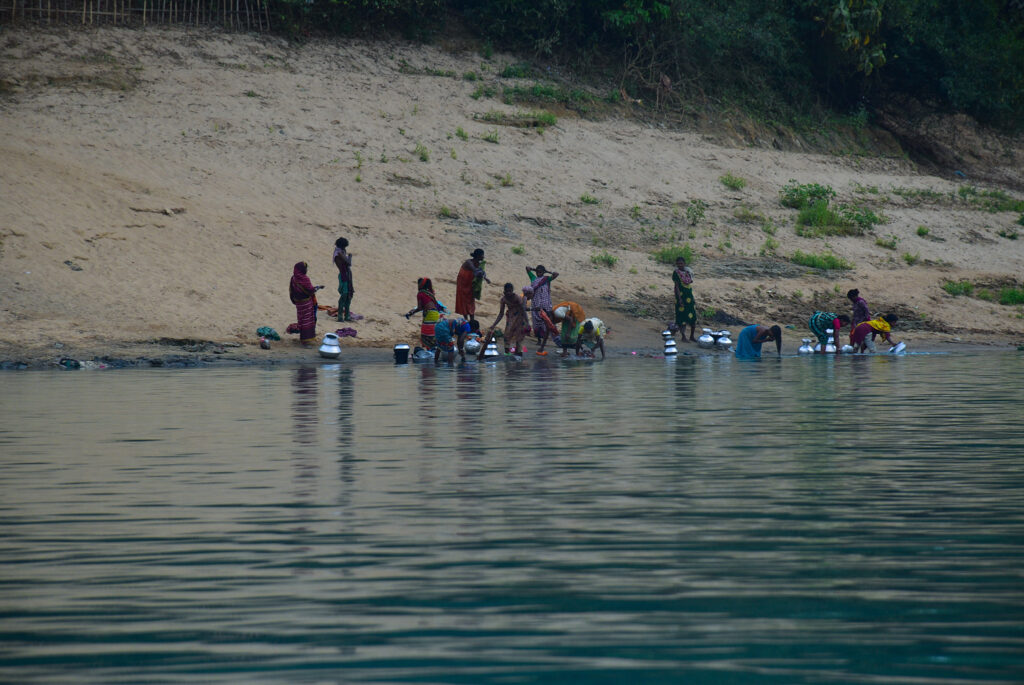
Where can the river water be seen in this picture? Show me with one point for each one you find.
(792, 520)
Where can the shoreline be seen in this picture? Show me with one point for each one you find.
(191, 354)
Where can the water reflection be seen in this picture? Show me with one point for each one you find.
(790, 521)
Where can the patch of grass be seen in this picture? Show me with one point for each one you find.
(520, 70)
(732, 182)
(768, 227)
(1021, 220)
(993, 200)
(797, 196)
(986, 295)
(359, 159)
(604, 259)
(695, 211)
(487, 50)
(633, 270)
(911, 259)
(669, 255)
(1010, 295)
(865, 190)
(588, 199)
(919, 194)
(359, 178)
(818, 219)
(422, 152)
(445, 212)
(470, 76)
(747, 215)
(634, 213)
(861, 216)
(769, 246)
(708, 313)
(1008, 233)
(575, 98)
(826, 261)
(923, 231)
(483, 91)
(888, 243)
(461, 133)
(505, 180)
(491, 136)
(251, 94)
(519, 250)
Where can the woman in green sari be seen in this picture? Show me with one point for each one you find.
(686, 310)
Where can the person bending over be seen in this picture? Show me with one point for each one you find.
(590, 334)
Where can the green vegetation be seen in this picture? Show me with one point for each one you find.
(543, 93)
(920, 194)
(634, 213)
(588, 199)
(1021, 220)
(888, 243)
(746, 215)
(1008, 233)
(695, 211)
(923, 231)
(826, 261)
(797, 196)
(483, 92)
(422, 152)
(989, 200)
(818, 219)
(769, 246)
(957, 288)
(359, 159)
(252, 94)
(669, 255)
(461, 133)
(732, 182)
(768, 227)
(505, 180)
(445, 213)
(521, 70)
(911, 259)
(604, 259)
(518, 250)
(779, 59)
(1011, 296)
(491, 136)
(985, 294)
(469, 76)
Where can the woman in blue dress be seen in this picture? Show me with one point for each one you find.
(748, 345)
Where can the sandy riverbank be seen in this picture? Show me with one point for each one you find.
(158, 185)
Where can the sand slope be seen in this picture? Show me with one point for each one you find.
(161, 183)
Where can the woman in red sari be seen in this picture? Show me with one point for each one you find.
(303, 295)
(468, 283)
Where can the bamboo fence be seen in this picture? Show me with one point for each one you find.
(245, 15)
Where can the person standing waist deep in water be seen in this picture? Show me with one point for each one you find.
(343, 260)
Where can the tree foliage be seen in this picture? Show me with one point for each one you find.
(770, 54)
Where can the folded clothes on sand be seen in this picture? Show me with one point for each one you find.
(267, 332)
(345, 332)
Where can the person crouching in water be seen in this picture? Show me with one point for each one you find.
(748, 344)
(450, 335)
(880, 326)
(591, 333)
(516, 324)
(570, 315)
(819, 324)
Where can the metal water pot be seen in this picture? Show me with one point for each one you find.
(898, 348)
(472, 345)
(806, 348)
(670, 346)
(331, 346)
(723, 341)
(706, 340)
(830, 346)
(846, 349)
(401, 353)
(491, 353)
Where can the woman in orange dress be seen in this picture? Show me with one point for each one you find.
(467, 289)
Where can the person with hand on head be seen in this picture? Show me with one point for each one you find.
(469, 283)
(748, 344)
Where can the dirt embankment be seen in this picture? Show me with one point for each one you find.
(160, 184)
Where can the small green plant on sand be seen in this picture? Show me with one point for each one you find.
(445, 213)
(505, 180)
(826, 261)
(634, 213)
(669, 255)
(768, 227)
(461, 133)
(588, 199)
(695, 211)
(491, 136)
(888, 243)
(923, 231)
(732, 182)
(911, 259)
(1009, 234)
(422, 152)
(359, 159)
(518, 249)
(604, 259)
(797, 196)
(957, 288)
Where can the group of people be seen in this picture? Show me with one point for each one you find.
(531, 313)
(825, 325)
(565, 323)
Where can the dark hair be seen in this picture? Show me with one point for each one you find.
(540, 269)
(477, 254)
(341, 242)
(474, 326)
(588, 325)
(777, 336)
(844, 318)
(425, 284)
(852, 293)
(890, 318)
(509, 286)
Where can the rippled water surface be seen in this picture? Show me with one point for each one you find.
(700, 521)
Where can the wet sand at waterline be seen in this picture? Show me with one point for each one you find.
(159, 184)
